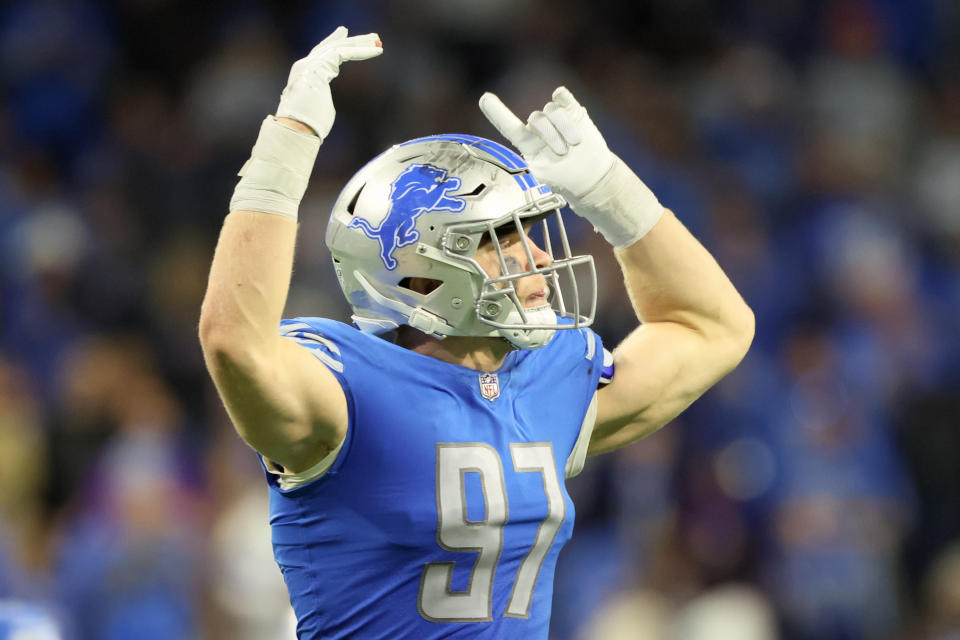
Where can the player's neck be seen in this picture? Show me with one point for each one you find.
(482, 354)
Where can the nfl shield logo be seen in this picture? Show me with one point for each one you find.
(489, 386)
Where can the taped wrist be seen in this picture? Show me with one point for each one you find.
(620, 206)
(275, 177)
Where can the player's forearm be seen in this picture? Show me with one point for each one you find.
(251, 270)
(671, 277)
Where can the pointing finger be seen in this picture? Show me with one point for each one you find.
(500, 116)
(509, 125)
(367, 39)
(360, 53)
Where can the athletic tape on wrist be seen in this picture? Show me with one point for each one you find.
(620, 206)
(275, 177)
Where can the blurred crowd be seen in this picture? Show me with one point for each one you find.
(813, 146)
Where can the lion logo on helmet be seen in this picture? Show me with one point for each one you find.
(420, 188)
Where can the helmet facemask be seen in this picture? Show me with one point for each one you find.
(536, 232)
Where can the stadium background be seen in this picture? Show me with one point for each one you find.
(814, 147)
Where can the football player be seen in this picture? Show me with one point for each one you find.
(416, 460)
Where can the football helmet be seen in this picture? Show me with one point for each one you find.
(422, 209)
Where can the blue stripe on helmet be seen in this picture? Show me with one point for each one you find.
(506, 155)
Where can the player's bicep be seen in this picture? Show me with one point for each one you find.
(660, 369)
(286, 403)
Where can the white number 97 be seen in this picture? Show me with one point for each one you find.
(455, 532)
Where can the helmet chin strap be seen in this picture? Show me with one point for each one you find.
(431, 324)
(417, 317)
(530, 338)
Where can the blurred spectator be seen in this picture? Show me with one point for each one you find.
(246, 594)
(131, 532)
(23, 621)
(247, 584)
(22, 535)
(845, 505)
(941, 597)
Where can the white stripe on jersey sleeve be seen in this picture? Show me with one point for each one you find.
(293, 480)
(579, 454)
(591, 343)
(288, 327)
(316, 337)
(324, 358)
(325, 350)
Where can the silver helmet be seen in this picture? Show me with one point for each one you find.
(422, 209)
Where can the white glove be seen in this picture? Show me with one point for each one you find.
(275, 177)
(306, 97)
(565, 149)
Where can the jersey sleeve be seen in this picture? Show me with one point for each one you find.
(326, 351)
(604, 359)
(287, 480)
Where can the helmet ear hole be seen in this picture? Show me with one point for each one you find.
(477, 191)
(423, 286)
(353, 201)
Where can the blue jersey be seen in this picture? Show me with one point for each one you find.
(445, 509)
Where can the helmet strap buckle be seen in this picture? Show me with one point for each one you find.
(425, 321)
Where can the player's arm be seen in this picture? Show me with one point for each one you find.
(282, 400)
(696, 327)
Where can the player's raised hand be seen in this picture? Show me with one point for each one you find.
(275, 177)
(565, 149)
(306, 97)
(561, 144)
